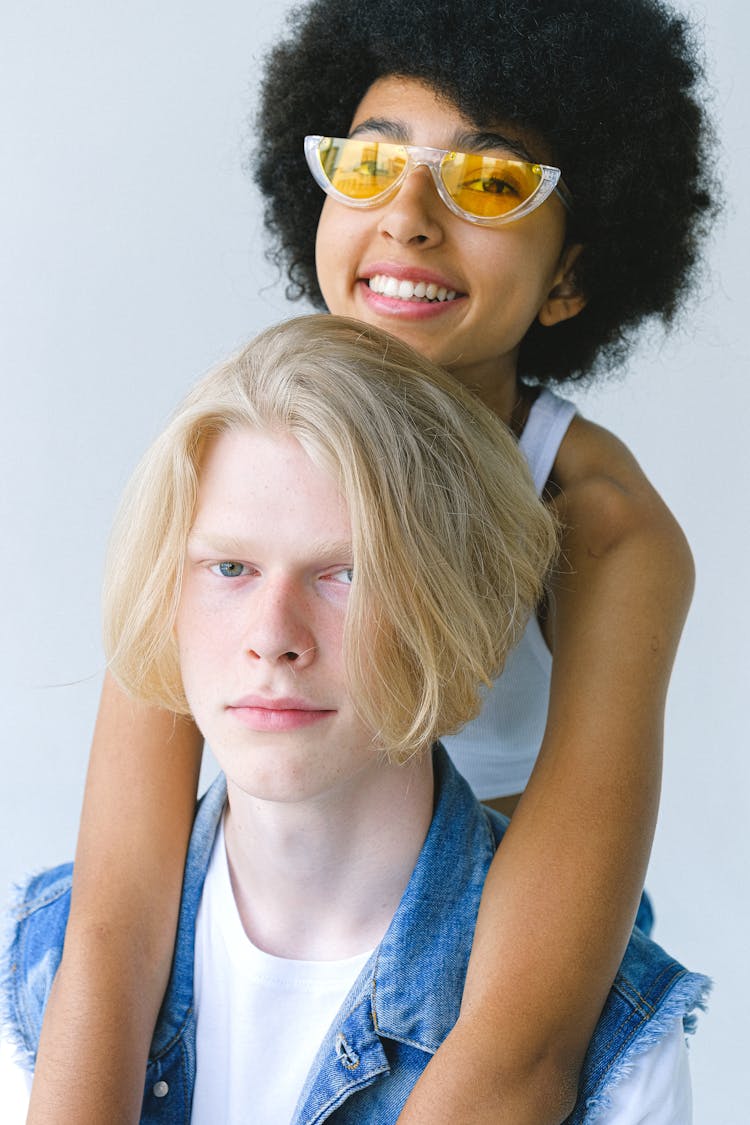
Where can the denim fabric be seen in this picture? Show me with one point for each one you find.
(644, 919)
(401, 1007)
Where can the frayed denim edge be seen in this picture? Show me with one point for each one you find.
(14, 1017)
(15, 1029)
(687, 995)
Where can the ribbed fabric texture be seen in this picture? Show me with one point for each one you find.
(496, 752)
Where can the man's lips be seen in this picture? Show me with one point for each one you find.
(277, 714)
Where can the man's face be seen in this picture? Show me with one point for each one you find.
(260, 626)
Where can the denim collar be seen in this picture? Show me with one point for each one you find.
(410, 989)
(418, 970)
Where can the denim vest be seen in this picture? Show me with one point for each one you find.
(401, 1007)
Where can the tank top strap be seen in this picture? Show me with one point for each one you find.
(543, 433)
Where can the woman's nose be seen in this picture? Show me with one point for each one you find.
(415, 214)
(280, 630)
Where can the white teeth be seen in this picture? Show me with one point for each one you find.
(409, 290)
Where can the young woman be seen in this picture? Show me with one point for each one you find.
(533, 266)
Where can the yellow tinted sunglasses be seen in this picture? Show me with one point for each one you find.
(484, 189)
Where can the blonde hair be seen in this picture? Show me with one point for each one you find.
(450, 542)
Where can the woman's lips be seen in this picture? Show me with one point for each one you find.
(407, 289)
(411, 308)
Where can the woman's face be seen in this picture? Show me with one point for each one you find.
(502, 277)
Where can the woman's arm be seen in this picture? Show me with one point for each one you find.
(562, 892)
(137, 814)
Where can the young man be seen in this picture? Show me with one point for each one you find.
(328, 551)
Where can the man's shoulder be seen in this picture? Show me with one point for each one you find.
(37, 915)
(32, 949)
(655, 986)
(40, 889)
(652, 994)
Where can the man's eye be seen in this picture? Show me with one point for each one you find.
(229, 569)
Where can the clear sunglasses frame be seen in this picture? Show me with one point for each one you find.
(432, 158)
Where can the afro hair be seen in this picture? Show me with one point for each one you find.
(613, 87)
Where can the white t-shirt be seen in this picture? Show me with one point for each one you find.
(260, 1019)
(15, 1085)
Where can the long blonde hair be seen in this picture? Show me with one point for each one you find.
(450, 542)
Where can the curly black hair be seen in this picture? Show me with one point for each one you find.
(613, 87)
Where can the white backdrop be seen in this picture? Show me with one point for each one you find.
(131, 258)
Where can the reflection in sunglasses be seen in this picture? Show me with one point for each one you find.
(480, 187)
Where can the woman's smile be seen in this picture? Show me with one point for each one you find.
(461, 294)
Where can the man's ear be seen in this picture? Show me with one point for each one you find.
(564, 299)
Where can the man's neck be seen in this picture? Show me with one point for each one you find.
(321, 879)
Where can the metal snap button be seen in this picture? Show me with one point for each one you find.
(161, 1089)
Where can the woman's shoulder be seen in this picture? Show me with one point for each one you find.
(600, 490)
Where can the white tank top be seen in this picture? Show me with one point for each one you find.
(497, 750)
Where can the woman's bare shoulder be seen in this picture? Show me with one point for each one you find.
(603, 495)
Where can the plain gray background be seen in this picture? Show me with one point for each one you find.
(131, 258)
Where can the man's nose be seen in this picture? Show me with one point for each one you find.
(280, 629)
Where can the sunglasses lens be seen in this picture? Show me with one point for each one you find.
(361, 169)
(489, 186)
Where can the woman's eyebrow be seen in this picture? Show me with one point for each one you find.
(479, 141)
(393, 130)
(490, 141)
